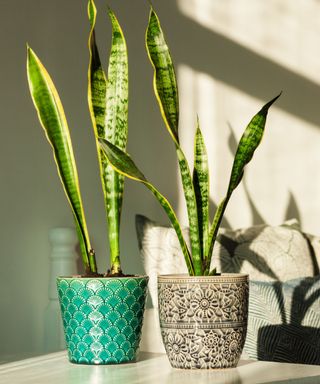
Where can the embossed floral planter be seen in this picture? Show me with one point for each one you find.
(203, 319)
(102, 317)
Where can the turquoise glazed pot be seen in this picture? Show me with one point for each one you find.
(102, 317)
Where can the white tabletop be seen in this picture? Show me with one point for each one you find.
(152, 369)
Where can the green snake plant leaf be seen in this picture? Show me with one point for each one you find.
(166, 91)
(201, 187)
(108, 105)
(249, 142)
(52, 118)
(97, 82)
(164, 80)
(123, 164)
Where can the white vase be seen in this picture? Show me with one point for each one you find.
(63, 262)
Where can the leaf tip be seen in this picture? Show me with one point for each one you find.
(28, 50)
(153, 15)
(112, 15)
(198, 123)
(275, 98)
(266, 107)
(110, 12)
(30, 53)
(150, 5)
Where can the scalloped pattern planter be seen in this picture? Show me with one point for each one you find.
(203, 319)
(102, 318)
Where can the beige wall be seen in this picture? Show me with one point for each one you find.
(238, 80)
(250, 51)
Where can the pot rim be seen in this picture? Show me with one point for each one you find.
(79, 277)
(185, 276)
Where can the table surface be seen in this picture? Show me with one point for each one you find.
(151, 368)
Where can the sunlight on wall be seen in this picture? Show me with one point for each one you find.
(284, 31)
(283, 180)
(277, 185)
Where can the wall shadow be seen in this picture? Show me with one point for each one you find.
(240, 67)
(292, 342)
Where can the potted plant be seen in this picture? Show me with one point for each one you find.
(102, 313)
(203, 316)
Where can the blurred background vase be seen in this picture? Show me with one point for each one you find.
(63, 262)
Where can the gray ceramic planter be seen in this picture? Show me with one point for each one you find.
(203, 320)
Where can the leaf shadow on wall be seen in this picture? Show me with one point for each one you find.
(293, 341)
(289, 341)
(207, 51)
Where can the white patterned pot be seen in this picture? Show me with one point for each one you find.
(203, 319)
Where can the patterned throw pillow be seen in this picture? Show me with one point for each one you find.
(284, 321)
(266, 253)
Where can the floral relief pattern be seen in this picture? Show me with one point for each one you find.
(219, 348)
(203, 323)
(177, 348)
(221, 302)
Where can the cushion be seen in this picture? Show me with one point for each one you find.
(314, 248)
(284, 321)
(266, 253)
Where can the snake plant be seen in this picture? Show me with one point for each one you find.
(108, 107)
(203, 233)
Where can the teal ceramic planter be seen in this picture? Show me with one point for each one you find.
(102, 317)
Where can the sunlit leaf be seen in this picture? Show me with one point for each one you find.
(54, 123)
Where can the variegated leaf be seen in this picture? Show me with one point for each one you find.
(249, 142)
(108, 104)
(201, 187)
(123, 164)
(164, 80)
(54, 123)
(166, 91)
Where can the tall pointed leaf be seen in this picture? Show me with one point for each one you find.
(201, 187)
(123, 164)
(164, 80)
(97, 82)
(53, 121)
(249, 142)
(108, 105)
(166, 91)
